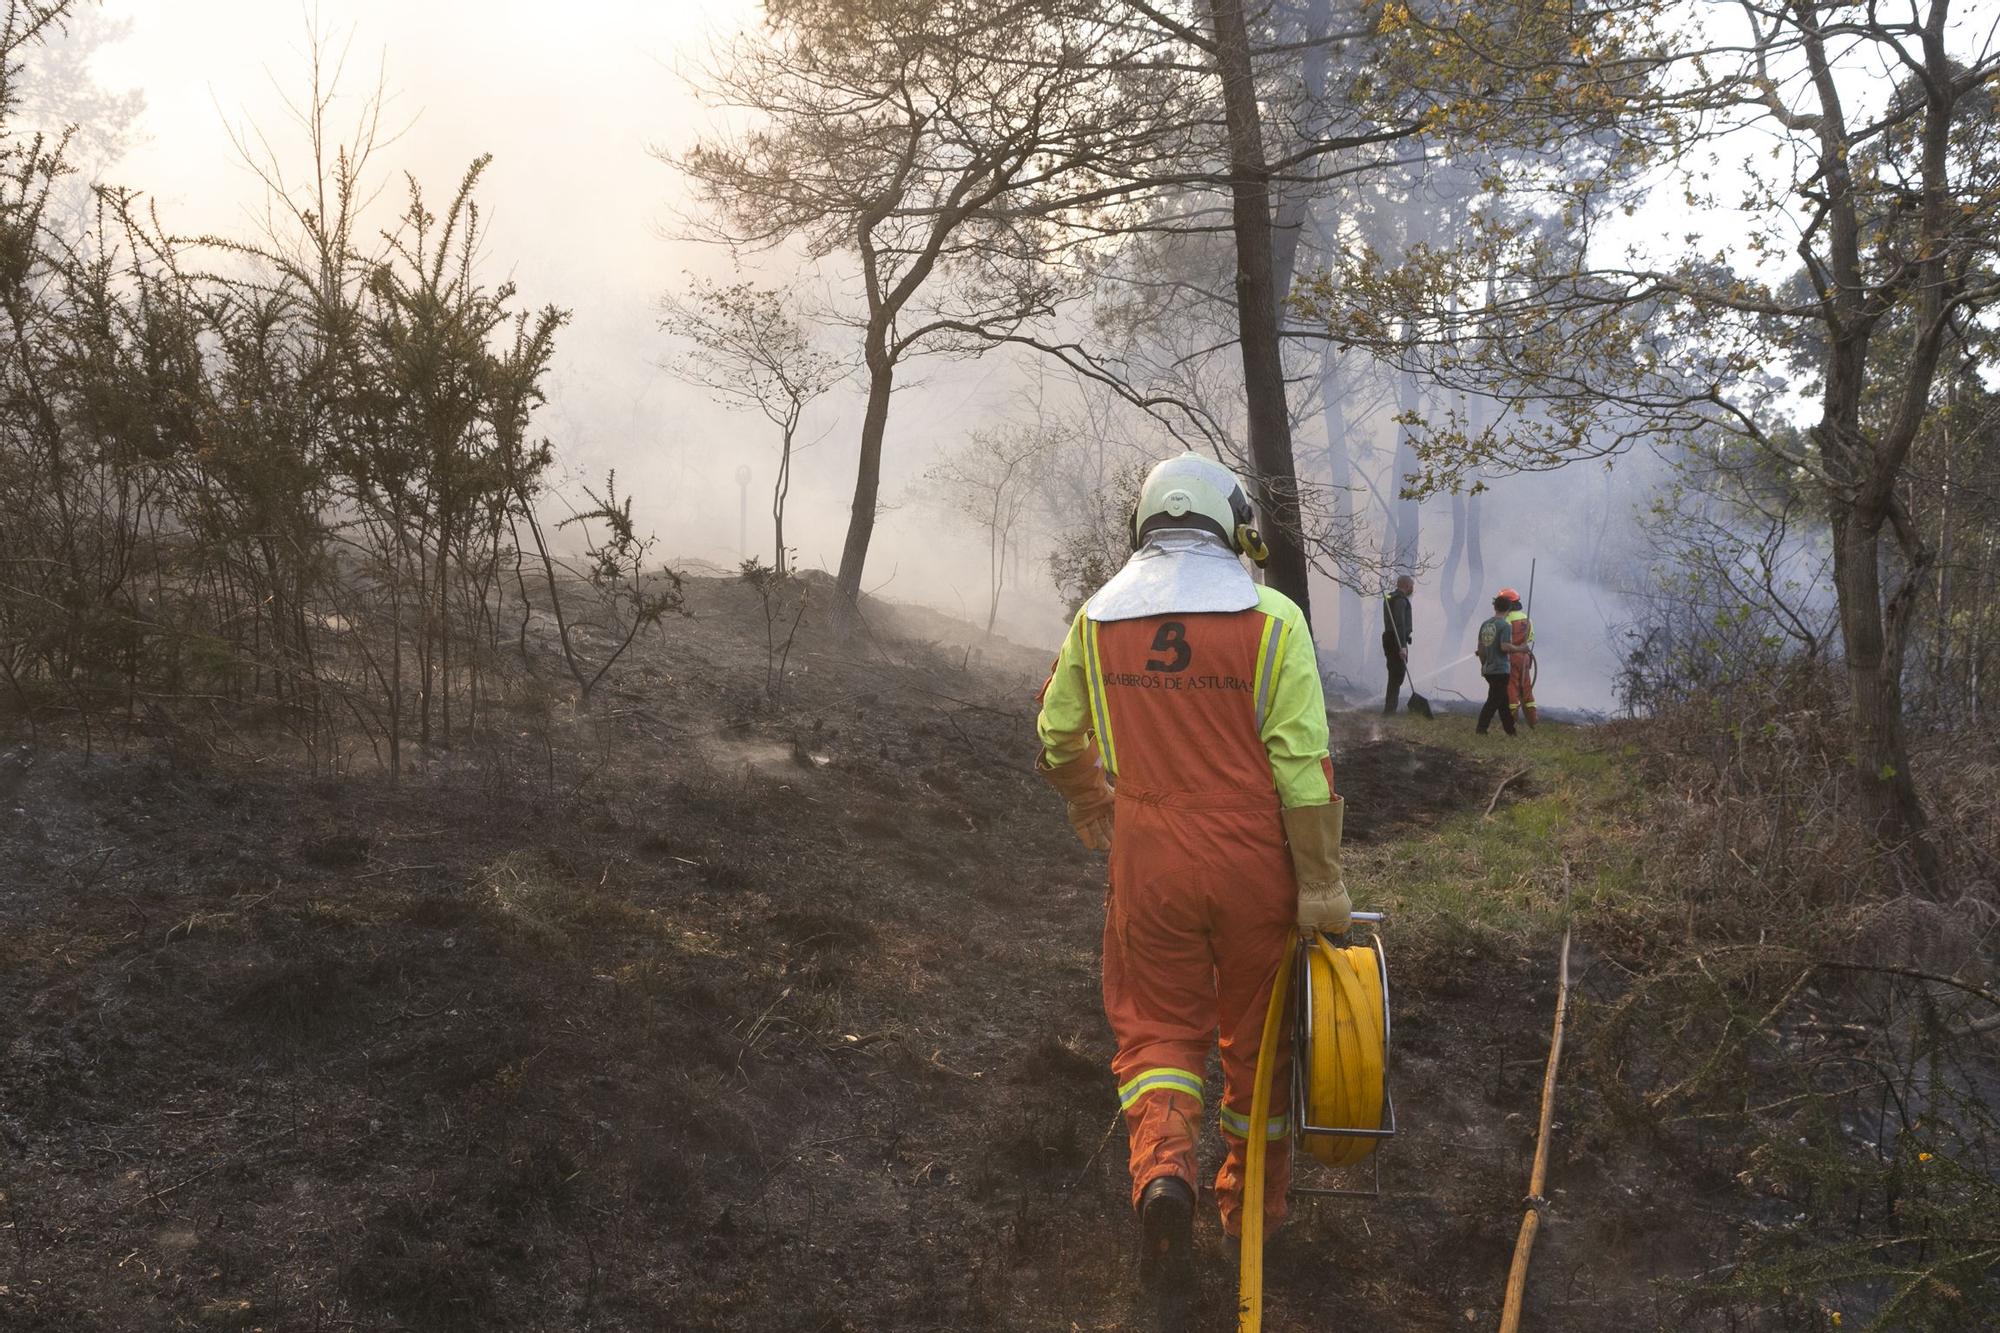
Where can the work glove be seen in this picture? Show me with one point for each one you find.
(1314, 834)
(1081, 784)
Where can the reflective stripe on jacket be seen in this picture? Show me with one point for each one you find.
(1211, 702)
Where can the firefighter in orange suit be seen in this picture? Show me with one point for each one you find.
(1193, 693)
(1520, 659)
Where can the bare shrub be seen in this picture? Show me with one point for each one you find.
(1816, 1015)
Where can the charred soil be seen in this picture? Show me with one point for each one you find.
(703, 1010)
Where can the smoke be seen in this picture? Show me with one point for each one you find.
(579, 213)
(1569, 536)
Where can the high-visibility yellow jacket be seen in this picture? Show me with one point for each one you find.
(1203, 702)
(1521, 629)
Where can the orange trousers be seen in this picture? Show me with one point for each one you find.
(1521, 686)
(1202, 897)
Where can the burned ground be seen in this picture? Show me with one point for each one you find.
(717, 1013)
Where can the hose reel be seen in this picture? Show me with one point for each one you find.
(1341, 1105)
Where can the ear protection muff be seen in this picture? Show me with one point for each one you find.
(1246, 539)
(1251, 543)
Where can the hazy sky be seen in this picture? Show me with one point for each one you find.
(569, 100)
(578, 212)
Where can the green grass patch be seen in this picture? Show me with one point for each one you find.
(1565, 816)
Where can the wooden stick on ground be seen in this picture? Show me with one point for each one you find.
(1502, 787)
(1531, 1219)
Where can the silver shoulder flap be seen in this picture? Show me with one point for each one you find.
(1175, 573)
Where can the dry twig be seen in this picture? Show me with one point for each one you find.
(1502, 787)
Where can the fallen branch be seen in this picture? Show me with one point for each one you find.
(1109, 1130)
(934, 1060)
(1502, 787)
(1914, 974)
(1531, 1219)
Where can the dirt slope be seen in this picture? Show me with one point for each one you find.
(699, 1013)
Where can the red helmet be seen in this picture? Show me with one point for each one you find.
(1510, 594)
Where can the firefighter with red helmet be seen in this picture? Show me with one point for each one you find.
(1520, 659)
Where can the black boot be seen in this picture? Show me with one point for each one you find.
(1166, 1251)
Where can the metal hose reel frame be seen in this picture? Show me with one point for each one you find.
(1305, 1127)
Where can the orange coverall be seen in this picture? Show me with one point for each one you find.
(1206, 723)
(1521, 667)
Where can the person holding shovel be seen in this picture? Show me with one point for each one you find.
(1396, 638)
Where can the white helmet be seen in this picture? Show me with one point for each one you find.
(1195, 492)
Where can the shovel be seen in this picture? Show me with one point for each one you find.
(1418, 704)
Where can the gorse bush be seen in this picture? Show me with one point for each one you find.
(295, 472)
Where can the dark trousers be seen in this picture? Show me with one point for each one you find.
(1496, 702)
(1396, 669)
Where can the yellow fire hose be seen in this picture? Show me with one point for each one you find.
(1343, 1084)
(1250, 1252)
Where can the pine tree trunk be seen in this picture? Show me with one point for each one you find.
(778, 491)
(1257, 308)
(1883, 780)
(867, 486)
(1348, 641)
